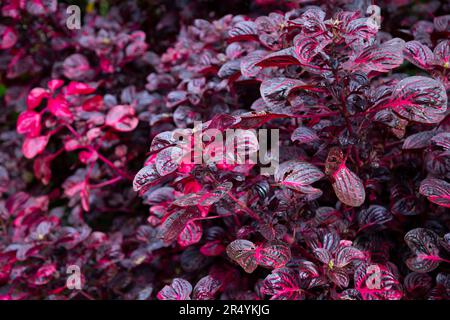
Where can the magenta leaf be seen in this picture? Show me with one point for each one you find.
(275, 91)
(35, 97)
(418, 283)
(442, 140)
(191, 234)
(418, 140)
(122, 118)
(419, 54)
(348, 187)
(249, 64)
(174, 224)
(307, 48)
(436, 190)
(33, 146)
(381, 58)
(376, 282)
(346, 255)
(180, 289)
(298, 176)
(273, 255)
(44, 275)
(304, 135)
(373, 216)
(419, 99)
(206, 288)
(146, 176)
(168, 160)
(8, 37)
(29, 123)
(423, 244)
(283, 284)
(59, 107)
(442, 54)
(243, 252)
(76, 67)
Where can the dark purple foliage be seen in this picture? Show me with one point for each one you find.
(96, 121)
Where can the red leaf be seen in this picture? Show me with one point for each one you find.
(348, 187)
(242, 252)
(8, 37)
(59, 107)
(304, 135)
(146, 176)
(280, 58)
(35, 97)
(243, 30)
(437, 191)
(423, 243)
(381, 58)
(212, 248)
(298, 175)
(419, 54)
(283, 284)
(419, 99)
(34, 146)
(122, 118)
(75, 88)
(273, 255)
(180, 289)
(275, 91)
(29, 123)
(418, 140)
(191, 234)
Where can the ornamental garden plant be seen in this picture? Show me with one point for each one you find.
(102, 198)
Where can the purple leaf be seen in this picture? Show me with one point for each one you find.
(381, 58)
(418, 140)
(419, 99)
(348, 187)
(437, 191)
(122, 118)
(423, 243)
(180, 289)
(298, 175)
(304, 135)
(275, 91)
(283, 284)
(146, 176)
(242, 252)
(206, 288)
(191, 234)
(273, 255)
(168, 160)
(419, 54)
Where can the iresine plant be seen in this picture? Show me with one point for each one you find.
(280, 150)
(355, 131)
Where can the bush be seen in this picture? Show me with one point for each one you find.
(99, 125)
